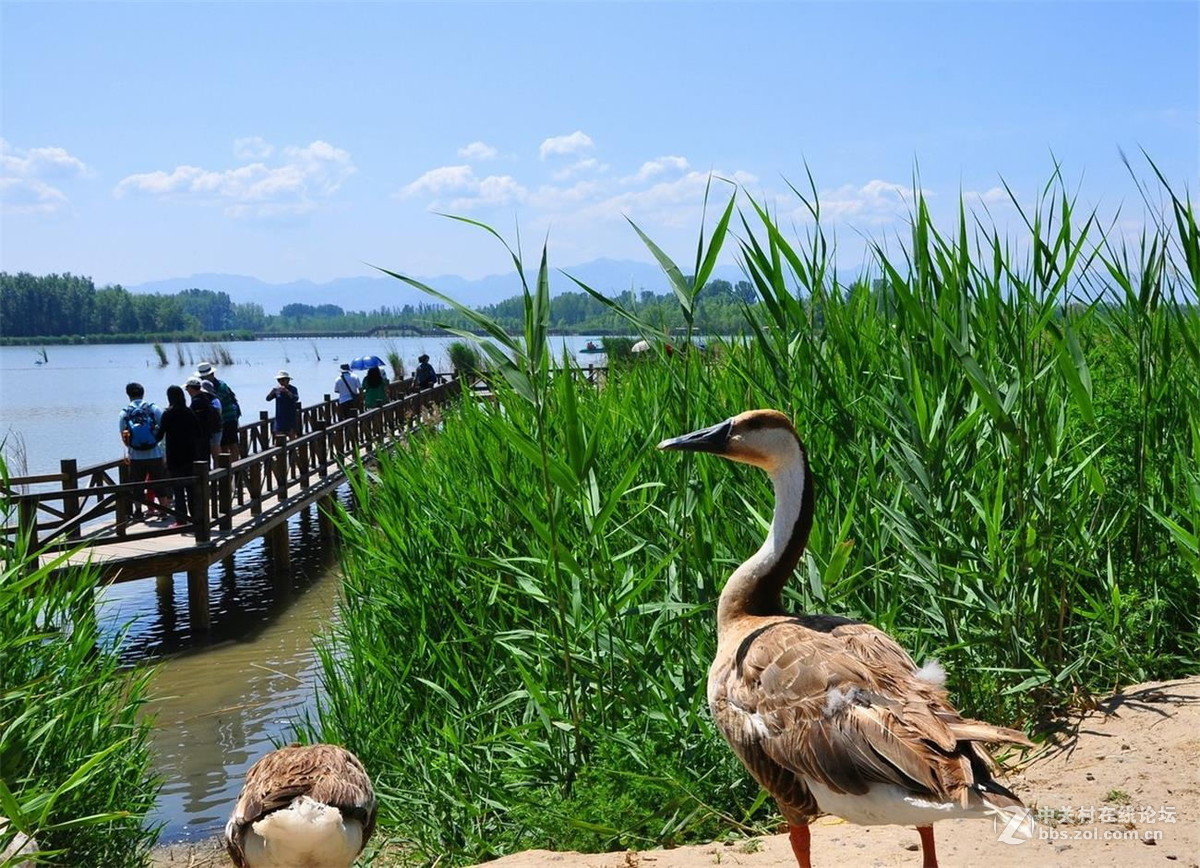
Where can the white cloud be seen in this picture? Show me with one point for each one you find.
(492, 191)
(589, 164)
(468, 191)
(444, 179)
(874, 203)
(252, 148)
(988, 197)
(305, 175)
(40, 163)
(572, 144)
(477, 151)
(678, 202)
(651, 168)
(31, 196)
(23, 177)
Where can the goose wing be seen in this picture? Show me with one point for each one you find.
(837, 702)
(325, 773)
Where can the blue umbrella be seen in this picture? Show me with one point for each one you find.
(363, 363)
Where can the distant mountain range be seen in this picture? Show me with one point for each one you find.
(609, 276)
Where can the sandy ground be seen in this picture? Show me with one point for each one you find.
(1121, 787)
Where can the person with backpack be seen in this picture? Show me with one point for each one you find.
(347, 388)
(207, 414)
(231, 411)
(140, 425)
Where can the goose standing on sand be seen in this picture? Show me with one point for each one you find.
(302, 807)
(830, 714)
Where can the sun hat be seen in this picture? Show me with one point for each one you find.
(283, 375)
(205, 369)
(193, 382)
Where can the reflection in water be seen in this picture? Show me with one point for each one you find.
(224, 700)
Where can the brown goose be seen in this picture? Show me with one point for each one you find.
(830, 714)
(302, 807)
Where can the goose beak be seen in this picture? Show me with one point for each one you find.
(714, 439)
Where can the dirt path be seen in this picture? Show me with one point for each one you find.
(1123, 790)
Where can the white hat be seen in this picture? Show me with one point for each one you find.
(283, 375)
(193, 383)
(205, 369)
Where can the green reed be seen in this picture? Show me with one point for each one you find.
(75, 759)
(1005, 433)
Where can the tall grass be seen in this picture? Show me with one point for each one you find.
(220, 354)
(1005, 445)
(75, 761)
(464, 358)
(395, 360)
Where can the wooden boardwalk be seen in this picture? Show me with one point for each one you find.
(81, 517)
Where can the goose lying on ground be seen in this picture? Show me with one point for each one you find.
(302, 807)
(830, 714)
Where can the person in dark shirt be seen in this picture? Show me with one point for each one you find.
(287, 407)
(425, 376)
(206, 415)
(182, 435)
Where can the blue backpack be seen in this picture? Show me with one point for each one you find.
(143, 433)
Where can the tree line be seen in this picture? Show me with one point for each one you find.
(58, 306)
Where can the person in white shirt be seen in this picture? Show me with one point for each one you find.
(347, 387)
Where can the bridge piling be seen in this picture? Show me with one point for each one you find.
(198, 609)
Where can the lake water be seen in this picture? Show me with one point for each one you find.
(221, 699)
(68, 406)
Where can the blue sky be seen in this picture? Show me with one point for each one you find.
(302, 140)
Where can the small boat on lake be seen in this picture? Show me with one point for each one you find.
(592, 347)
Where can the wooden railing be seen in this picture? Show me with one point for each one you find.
(96, 505)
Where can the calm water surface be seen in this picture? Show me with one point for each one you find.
(223, 700)
(68, 406)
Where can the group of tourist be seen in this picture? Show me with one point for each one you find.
(203, 423)
(163, 444)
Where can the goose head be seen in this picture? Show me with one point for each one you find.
(763, 438)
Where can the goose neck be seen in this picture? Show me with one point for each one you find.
(756, 587)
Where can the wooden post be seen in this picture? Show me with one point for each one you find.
(201, 516)
(281, 468)
(198, 611)
(225, 493)
(165, 583)
(122, 507)
(70, 474)
(255, 484)
(302, 458)
(27, 517)
(321, 445)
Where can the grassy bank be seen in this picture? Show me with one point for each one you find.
(1006, 449)
(75, 763)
